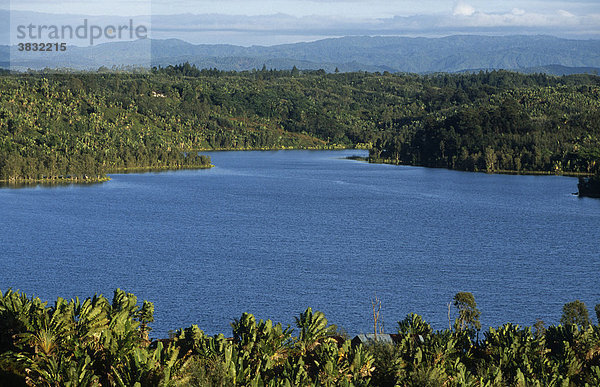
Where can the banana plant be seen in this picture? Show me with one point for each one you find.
(313, 329)
(262, 347)
(17, 316)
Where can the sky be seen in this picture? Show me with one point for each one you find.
(249, 22)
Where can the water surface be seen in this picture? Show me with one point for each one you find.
(271, 233)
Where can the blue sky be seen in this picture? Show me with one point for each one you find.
(248, 22)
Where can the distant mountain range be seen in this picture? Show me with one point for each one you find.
(395, 54)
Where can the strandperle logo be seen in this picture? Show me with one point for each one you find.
(83, 31)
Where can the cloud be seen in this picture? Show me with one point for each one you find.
(463, 9)
(565, 14)
(560, 20)
(282, 27)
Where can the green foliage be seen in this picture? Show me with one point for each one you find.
(96, 342)
(76, 343)
(575, 313)
(518, 125)
(468, 314)
(590, 186)
(313, 327)
(414, 325)
(82, 126)
(597, 310)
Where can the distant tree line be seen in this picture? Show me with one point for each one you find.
(84, 125)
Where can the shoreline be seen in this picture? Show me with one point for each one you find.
(119, 170)
(55, 181)
(494, 172)
(280, 148)
(125, 170)
(160, 168)
(104, 179)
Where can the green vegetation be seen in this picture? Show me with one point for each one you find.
(468, 314)
(100, 342)
(80, 126)
(55, 130)
(575, 313)
(501, 122)
(589, 186)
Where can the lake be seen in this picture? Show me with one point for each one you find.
(271, 233)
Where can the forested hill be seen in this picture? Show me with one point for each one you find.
(84, 125)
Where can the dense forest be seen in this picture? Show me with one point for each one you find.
(95, 342)
(83, 125)
(589, 186)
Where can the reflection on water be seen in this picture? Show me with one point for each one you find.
(46, 184)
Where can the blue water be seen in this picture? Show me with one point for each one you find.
(272, 233)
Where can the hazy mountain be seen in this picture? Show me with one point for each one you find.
(395, 54)
(4, 57)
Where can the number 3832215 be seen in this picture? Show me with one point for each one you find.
(42, 46)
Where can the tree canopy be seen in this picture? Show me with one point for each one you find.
(82, 125)
(575, 313)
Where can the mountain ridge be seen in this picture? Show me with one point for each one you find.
(456, 53)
